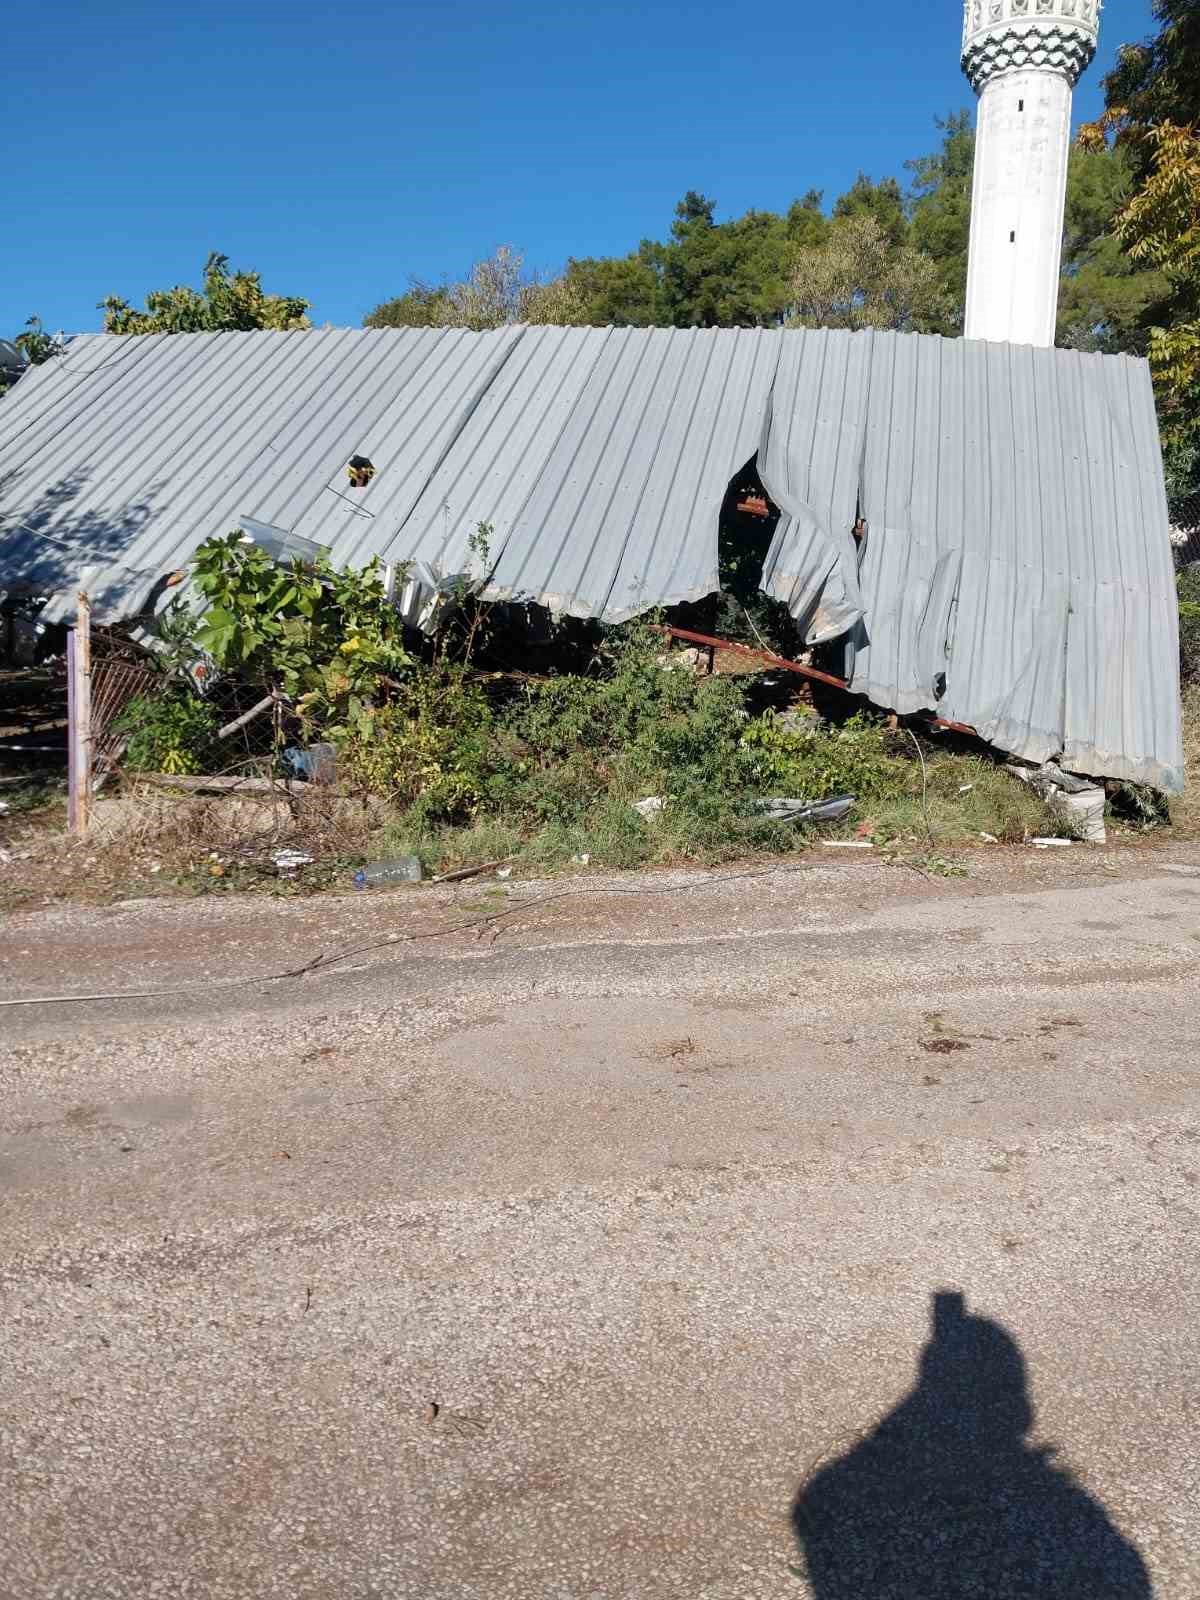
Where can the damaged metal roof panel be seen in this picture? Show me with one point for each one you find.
(1017, 571)
(125, 453)
(597, 462)
(811, 462)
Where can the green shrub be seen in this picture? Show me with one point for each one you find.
(427, 745)
(174, 731)
(811, 764)
(1189, 625)
(328, 638)
(637, 729)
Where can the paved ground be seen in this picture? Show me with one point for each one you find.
(825, 1234)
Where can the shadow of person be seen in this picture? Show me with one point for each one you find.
(946, 1499)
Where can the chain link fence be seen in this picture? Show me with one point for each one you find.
(1185, 531)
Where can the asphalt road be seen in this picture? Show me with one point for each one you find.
(820, 1235)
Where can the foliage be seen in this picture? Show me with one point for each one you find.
(633, 728)
(1155, 81)
(1106, 298)
(735, 273)
(621, 291)
(813, 763)
(1181, 469)
(940, 205)
(495, 292)
(857, 279)
(173, 731)
(1185, 810)
(28, 792)
(35, 344)
(426, 747)
(329, 639)
(882, 202)
(228, 302)
(1160, 225)
(1152, 107)
(1189, 625)
(563, 763)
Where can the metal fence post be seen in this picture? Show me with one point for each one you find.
(79, 719)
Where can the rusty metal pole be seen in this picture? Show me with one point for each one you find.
(79, 718)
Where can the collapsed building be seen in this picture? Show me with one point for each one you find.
(1012, 570)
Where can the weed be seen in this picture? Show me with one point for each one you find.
(34, 792)
(174, 731)
(811, 763)
(1188, 583)
(967, 796)
(1185, 809)
(934, 866)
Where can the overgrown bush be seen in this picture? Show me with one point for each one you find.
(428, 744)
(329, 639)
(1189, 624)
(174, 731)
(556, 770)
(811, 763)
(633, 729)
(564, 763)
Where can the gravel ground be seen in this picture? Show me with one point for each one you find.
(821, 1234)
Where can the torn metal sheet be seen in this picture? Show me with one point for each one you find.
(810, 463)
(590, 477)
(1016, 574)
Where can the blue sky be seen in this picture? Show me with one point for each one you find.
(341, 151)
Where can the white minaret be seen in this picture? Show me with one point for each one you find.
(1024, 58)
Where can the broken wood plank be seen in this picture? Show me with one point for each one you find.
(264, 704)
(470, 872)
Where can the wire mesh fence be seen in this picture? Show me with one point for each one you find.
(1185, 532)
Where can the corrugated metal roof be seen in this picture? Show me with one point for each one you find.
(1017, 574)
(127, 452)
(598, 460)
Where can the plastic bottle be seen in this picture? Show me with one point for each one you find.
(400, 869)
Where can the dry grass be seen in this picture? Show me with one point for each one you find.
(967, 798)
(147, 841)
(1185, 811)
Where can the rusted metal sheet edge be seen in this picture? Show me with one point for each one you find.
(769, 660)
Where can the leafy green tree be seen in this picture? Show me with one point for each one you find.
(36, 345)
(1106, 298)
(940, 206)
(806, 222)
(735, 273)
(495, 292)
(1161, 225)
(692, 268)
(617, 291)
(423, 306)
(1152, 106)
(858, 279)
(228, 301)
(330, 639)
(883, 201)
(1157, 80)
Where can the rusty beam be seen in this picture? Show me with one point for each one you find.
(768, 660)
